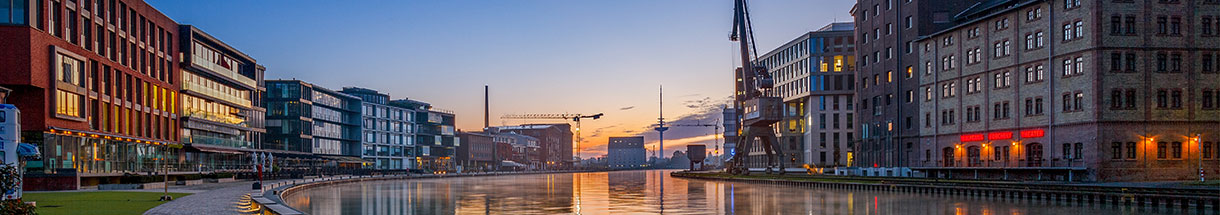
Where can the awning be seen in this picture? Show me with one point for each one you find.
(218, 149)
(343, 159)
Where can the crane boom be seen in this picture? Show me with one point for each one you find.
(757, 112)
(560, 116)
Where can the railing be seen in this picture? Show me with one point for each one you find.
(198, 60)
(215, 117)
(216, 141)
(243, 102)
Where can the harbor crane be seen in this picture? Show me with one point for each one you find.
(757, 111)
(558, 116)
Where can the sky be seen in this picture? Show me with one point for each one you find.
(537, 56)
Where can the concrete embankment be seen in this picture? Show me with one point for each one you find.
(1198, 199)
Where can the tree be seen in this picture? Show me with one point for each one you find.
(10, 181)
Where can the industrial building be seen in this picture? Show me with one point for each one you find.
(626, 152)
(1071, 90)
(886, 61)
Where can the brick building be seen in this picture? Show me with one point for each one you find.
(554, 142)
(97, 84)
(1071, 90)
(885, 56)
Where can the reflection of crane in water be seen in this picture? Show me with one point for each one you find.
(755, 111)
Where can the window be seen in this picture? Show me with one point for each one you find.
(910, 72)
(1175, 62)
(1029, 41)
(1067, 151)
(1130, 62)
(1079, 29)
(1038, 106)
(1162, 98)
(927, 67)
(1162, 62)
(1129, 25)
(1176, 97)
(1177, 150)
(1067, 102)
(1069, 4)
(1038, 38)
(1208, 100)
(1130, 94)
(1207, 150)
(1067, 32)
(1077, 102)
(1160, 150)
(1207, 26)
(1162, 25)
(909, 22)
(1116, 24)
(1116, 99)
(1175, 26)
(1207, 63)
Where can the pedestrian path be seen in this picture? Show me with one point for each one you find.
(223, 198)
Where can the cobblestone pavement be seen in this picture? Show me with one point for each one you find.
(224, 198)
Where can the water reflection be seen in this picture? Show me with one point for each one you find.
(646, 192)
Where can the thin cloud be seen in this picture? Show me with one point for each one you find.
(627, 108)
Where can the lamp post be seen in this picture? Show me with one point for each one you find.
(4, 95)
(1199, 144)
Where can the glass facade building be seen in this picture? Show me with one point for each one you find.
(219, 90)
(304, 118)
(388, 132)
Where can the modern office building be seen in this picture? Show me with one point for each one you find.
(388, 132)
(303, 118)
(626, 152)
(554, 141)
(730, 130)
(97, 83)
(886, 60)
(813, 75)
(1072, 90)
(435, 141)
(220, 85)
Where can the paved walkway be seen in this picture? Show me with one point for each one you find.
(222, 198)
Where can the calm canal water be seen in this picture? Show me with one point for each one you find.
(647, 192)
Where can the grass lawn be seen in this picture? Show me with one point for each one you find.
(1208, 183)
(100, 202)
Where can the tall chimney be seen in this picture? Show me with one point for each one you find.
(486, 108)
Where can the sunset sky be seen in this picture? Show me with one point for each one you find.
(538, 56)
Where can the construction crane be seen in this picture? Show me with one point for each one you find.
(715, 127)
(558, 116)
(757, 112)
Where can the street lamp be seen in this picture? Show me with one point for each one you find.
(1199, 144)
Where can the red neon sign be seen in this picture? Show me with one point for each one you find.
(999, 135)
(1032, 133)
(971, 137)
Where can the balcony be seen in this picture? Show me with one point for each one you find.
(235, 100)
(228, 119)
(204, 140)
(201, 62)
